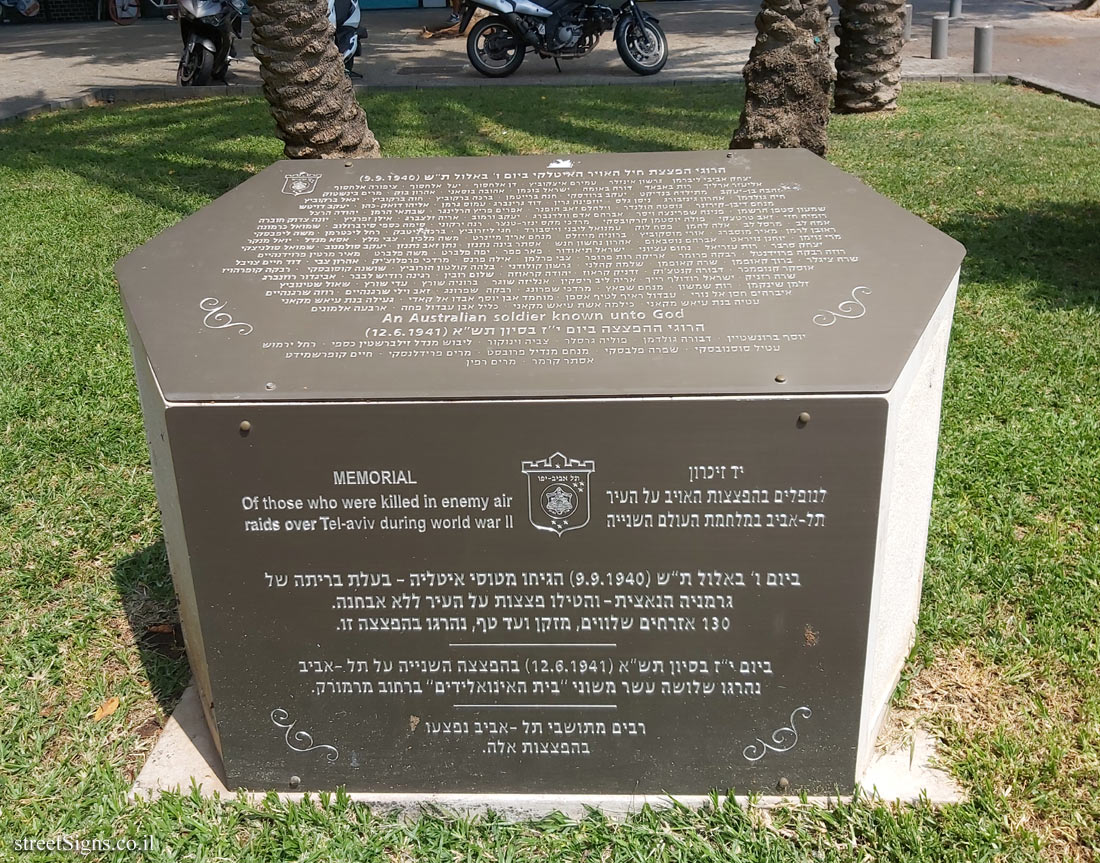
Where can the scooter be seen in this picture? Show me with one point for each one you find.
(208, 29)
(344, 16)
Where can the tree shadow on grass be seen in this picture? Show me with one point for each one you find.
(1049, 248)
(178, 156)
(600, 118)
(144, 585)
(173, 156)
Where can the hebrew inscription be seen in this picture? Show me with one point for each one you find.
(538, 267)
(572, 609)
(672, 273)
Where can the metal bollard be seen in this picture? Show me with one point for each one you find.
(956, 9)
(983, 49)
(939, 36)
(907, 32)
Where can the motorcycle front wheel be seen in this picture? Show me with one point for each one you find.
(494, 48)
(644, 48)
(196, 66)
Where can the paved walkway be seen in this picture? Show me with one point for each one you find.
(708, 39)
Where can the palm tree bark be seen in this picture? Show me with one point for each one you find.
(788, 78)
(311, 97)
(868, 59)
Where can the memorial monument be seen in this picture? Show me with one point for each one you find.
(599, 474)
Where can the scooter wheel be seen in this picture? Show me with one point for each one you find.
(196, 67)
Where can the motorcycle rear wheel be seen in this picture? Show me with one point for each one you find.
(494, 48)
(196, 67)
(643, 49)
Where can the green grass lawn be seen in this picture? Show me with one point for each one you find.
(1005, 671)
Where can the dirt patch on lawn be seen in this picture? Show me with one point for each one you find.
(973, 704)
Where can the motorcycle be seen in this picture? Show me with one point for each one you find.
(208, 29)
(560, 29)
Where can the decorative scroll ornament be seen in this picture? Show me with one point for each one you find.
(783, 739)
(303, 739)
(216, 319)
(850, 309)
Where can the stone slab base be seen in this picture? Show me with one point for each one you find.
(185, 755)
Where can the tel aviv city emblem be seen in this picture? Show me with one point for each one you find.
(300, 183)
(557, 492)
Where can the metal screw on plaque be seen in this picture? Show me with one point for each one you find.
(983, 49)
(269, 386)
(246, 427)
(295, 781)
(939, 36)
(780, 379)
(784, 784)
(347, 164)
(956, 8)
(907, 33)
(803, 418)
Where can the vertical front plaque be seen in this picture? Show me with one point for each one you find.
(583, 596)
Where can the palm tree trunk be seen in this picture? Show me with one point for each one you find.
(311, 98)
(788, 78)
(868, 60)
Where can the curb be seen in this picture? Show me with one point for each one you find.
(85, 100)
(137, 94)
(1054, 89)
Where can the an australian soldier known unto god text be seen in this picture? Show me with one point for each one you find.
(593, 474)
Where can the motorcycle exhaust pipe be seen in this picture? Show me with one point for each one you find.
(529, 36)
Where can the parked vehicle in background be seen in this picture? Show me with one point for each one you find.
(209, 29)
(25, 8)
(124, 11)
(560, 29)
(344, 16)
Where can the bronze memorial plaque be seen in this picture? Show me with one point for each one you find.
(531, 474)
(542, 596)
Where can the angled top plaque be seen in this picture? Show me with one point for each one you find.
(759, 272)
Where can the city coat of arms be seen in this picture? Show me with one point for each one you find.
(300, 183)
(557, 492)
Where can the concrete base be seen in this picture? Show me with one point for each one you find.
(185, 755)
